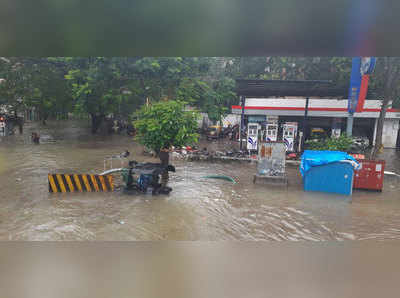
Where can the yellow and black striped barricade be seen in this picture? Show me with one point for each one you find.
(80, 183)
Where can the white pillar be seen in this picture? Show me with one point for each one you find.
(349, 127)
(375, 126)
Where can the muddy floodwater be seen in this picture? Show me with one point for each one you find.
(196, 209)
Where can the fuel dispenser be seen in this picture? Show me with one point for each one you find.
(252, 136)
(289, 135)
(271, 130)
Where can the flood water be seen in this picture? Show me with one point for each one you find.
(196, 209)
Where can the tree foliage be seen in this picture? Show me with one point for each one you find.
(101, 86)
(343, 143)
(16, 86)
(34, 82)
(164, 124)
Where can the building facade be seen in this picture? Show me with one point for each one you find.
(328, 114)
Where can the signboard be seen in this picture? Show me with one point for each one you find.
(257, 118)
(367, 65)
(271, 159)
(361, 68)
(366, 68)
(355, 84)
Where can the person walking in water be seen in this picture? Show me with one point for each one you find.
(35, 138)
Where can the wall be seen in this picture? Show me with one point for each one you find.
(229, 119)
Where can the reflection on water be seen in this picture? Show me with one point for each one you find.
(197, 208)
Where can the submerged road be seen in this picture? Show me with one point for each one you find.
(196, 209)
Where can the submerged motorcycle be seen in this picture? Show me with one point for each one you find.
(143, 177)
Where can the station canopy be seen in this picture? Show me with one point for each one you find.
(282, 88)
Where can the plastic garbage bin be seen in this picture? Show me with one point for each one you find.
(328, 171)
(334, 177)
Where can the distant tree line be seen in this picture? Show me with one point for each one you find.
(99, 86)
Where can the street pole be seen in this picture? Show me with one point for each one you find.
(303, 137)
(349, 127)
(242, 102)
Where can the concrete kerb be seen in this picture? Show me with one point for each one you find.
(212, 158)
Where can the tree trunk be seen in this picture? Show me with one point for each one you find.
(18, 122)
(20, 126)
(96, 122)
(392, 72)
(164, 158)
(379, 130)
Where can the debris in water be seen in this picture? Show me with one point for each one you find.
(391, 173)
(223, 177)
(121, 222)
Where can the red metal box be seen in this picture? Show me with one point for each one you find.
(370, 176)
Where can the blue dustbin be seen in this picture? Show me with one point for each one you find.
(334, 177)
(328, 171)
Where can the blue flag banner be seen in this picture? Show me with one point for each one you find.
(361, 68)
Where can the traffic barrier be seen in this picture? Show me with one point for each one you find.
(80, 183)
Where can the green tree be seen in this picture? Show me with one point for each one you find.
(160, 77)
(220, 99)
(336, 69)
(50, 95)
(102, 86)
(343, 143)
(96, 86)
(164, 124)
(16, 85)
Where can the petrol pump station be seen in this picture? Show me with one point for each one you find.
(252, 93)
